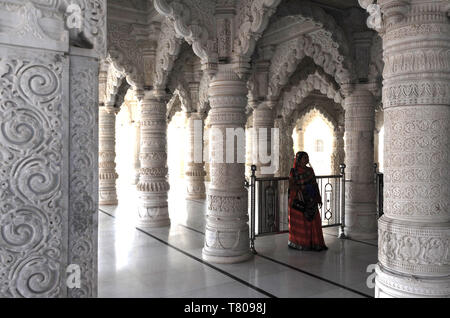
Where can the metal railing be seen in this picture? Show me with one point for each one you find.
(379, 182)
(269, 204)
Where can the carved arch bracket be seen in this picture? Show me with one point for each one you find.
(193, 32)
(299, 92)
(253, 25)
(168, 49)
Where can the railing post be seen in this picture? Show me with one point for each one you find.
(375, 171)
(342, 228)
(252, 209)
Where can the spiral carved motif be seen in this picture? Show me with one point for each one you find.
(38, 83)
(37, 276)
(23, 229)
(31, 154)
(21, 129)
(35, 180)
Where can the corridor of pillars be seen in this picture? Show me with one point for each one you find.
(57, 136)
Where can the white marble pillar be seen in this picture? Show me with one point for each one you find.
(338, 153)
(206, 149)
(360, 194)
(49, 107)
(195, 171)
(414, 230)
(263, 122)
(107, 155)
(153, 186)
(227, 230)
(136, 151)
(287, 154)
(248, 146)
(135, 108)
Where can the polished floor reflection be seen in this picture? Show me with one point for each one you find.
(167, 262)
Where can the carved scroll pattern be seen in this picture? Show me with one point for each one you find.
(32, 191)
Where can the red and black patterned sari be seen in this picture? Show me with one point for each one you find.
(304, 234)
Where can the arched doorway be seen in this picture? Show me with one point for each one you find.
(314, 134)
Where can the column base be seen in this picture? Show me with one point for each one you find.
(153, 211)
(361, 221)
(152, 222)
(153, 217)
(224, 259)
(107, 198)
(393, 285)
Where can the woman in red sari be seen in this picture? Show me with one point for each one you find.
(305, 224)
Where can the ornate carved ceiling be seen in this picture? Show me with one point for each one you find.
(264, 40)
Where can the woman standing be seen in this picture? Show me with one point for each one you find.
(305, 224)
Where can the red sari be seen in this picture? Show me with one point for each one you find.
(304, 234)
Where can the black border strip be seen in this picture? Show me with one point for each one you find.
(192, 229)
(300, 270)
(316, 276)
(357, 241)
(202, 261)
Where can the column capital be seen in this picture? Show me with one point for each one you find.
(263, 115)
(349, 90)
(110, 109)
(157, 94)
(139, 93)
(392, 14)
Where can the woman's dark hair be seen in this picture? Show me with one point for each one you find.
(299, 157)
(301, 154)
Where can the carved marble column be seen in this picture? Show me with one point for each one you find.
(263, 122)
(338, 153)
(136, 151)
(249, 146)
(136, 124)
(360, 196)
(287, 154)
(195, 170)
(107, 155)
(414, 230)
(227, 230)
(48, 151)
(153, 185)
(207, 160)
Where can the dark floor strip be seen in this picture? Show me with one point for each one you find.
(203, 262)
(350, 239)
(315, 276)
(192, 229)
(298, 269)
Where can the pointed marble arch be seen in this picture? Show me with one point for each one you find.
(173, 106)
(182, 76)
(121, 92)
(169, 45)
(376, 63)
(114, 79)
(203, 97)
(125, 54)
(298, 93)
(192, 26)
(311, 110)
(326, 46)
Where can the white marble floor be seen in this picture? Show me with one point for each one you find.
(167, 262)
